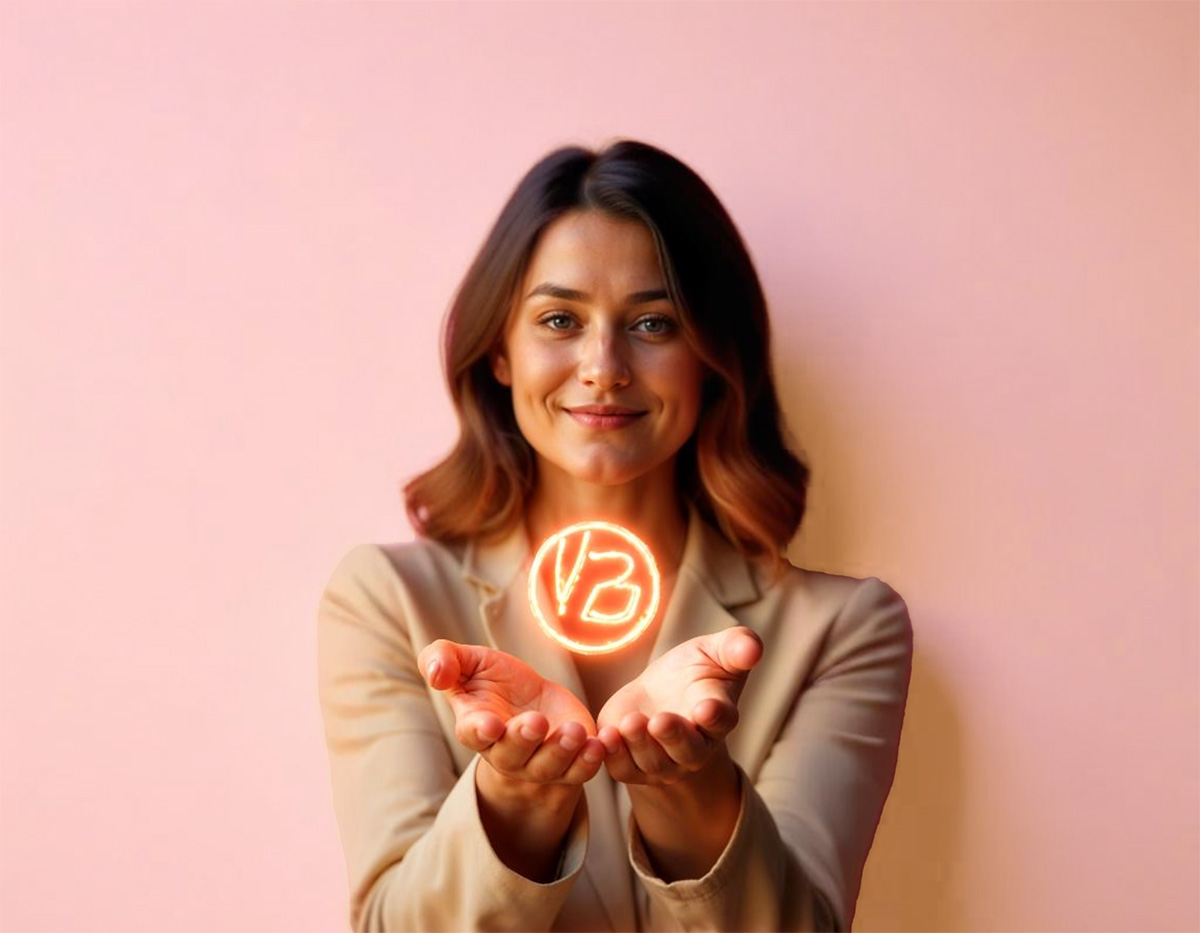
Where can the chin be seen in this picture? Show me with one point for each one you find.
(605, 470)
(606, 475)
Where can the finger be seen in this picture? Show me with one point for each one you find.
(438, 664)
(715, 718)
(451, 662)
(617, 760)
(587, 763)
(522, 736)
(478, 731)
(647, 754)
(680, 739)
(555, 755)
(610, 738)
(738, 649)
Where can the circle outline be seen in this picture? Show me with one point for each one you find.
(636, 630)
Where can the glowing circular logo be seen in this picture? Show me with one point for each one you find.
(594, 587)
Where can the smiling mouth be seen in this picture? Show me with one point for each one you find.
(604, 421)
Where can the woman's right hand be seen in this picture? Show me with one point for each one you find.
(526, 727)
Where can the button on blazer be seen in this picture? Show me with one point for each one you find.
(816, 745)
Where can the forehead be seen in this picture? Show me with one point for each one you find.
(585, 249)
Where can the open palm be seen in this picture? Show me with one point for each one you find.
(672, 717)
(490, 683)
(524, 725)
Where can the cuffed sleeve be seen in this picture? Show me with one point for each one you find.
(750, 870)
(452, 878)
(417, 854)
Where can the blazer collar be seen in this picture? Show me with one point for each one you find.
(717, 564)
(707, 556)
(492, 565)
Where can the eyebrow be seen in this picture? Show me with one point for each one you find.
(570, 294)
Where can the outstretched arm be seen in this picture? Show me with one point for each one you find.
(419, 855)
(537, 743)
(795, 857)
(665, 734)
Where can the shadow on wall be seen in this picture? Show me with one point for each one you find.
(911, 882)
(913, 877)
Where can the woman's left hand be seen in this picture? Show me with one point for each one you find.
(670, 722)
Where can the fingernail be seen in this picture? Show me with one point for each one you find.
(528, 733)
(434, 667)
(592, 754)
(569, 742)
(490, 733)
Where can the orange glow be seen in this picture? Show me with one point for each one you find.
(615, 570)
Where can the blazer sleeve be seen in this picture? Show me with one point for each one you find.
(797, 853)
(417, 855)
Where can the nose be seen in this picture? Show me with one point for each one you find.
(603, 365)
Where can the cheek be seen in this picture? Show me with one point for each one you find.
(538, 379)
(686, 380)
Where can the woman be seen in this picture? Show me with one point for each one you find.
(608, 356)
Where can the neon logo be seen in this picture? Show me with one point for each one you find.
(601, 588)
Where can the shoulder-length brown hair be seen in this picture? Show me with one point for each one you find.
(736, 468)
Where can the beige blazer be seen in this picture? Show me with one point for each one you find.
(817, 744)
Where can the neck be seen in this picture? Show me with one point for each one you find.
(649, 507)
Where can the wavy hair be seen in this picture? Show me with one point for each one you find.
(735, 468)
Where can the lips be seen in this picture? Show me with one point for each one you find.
(604, 410)
(604, 417)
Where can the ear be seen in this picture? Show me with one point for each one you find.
(500, 367)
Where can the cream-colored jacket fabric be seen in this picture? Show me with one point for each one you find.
(816, 742)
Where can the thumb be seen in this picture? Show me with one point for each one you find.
(738, 649)
(439, 664)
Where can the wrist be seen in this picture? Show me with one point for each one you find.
(504, 789)
(526, 823)
(685, 826)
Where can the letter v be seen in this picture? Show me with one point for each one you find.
(563, 591)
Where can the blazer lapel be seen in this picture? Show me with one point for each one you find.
(712, 578)
(500, 571)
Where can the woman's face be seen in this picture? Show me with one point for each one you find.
(604, 385)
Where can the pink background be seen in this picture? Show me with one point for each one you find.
(229, 233)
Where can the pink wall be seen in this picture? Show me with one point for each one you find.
(229, 232)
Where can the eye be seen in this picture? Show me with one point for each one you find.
(556, 320)
(656, 324)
